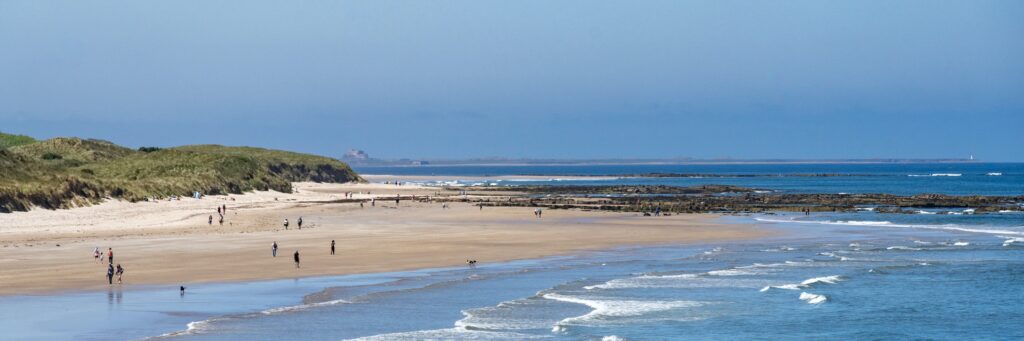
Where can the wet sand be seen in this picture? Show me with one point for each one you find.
(170, 242)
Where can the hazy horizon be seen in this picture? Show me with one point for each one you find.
(528, 79)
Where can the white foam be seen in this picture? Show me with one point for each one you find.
(806, 283)
(712, 251)
(449, 334)
(812, 298)
(961, 244)
(1012, 240)
(924, 212)
(780, 249)
(936, 174)
(826, 280)
(731, 272)
(604, 308)
(949, 227)
(994, 174)
(193, 327)
(613, 338)
(301, 307)
(902, 248)
(645, 281)
(784, 287)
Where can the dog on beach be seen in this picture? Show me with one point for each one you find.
(471, 262)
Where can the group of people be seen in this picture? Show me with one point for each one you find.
(273, 253)
(111, 269)
(299, 223)
(221, 211)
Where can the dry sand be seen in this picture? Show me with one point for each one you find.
(170, 242)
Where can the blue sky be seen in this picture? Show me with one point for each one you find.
(566, 79)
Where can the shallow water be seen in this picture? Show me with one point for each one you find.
(821, 280)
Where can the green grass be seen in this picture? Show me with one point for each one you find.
(69, 172)
(9, 140)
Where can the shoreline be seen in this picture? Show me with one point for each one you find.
(170, 243)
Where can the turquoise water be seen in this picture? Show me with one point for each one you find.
(860, 275)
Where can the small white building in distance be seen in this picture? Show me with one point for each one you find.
(356, 154)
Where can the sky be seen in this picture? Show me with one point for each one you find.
(535, 79)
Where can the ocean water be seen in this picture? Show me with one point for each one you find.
(901, 179)
(861, 275)
(937, 274)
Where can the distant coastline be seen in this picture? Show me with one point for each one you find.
(614, 162)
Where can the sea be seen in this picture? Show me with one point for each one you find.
(941, 273)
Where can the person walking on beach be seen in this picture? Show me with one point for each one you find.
(332, 247)
(110, 274)
(273, 249)
(373, 202)
(218, 210)
(296, 259)
(96, 254)
(110, 255)
(285, 223)
(210, 221)
(224, 209)
(299, 223)
(120, 272)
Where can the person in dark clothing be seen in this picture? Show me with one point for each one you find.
(273, 249)
(119, 272)
(110, 274)
(296, 259)
(299, 223)
(332, 247)
(182, 290)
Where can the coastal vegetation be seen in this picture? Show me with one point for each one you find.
(67, 172)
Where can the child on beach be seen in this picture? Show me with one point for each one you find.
(110, 255)
(120, 272)
(96, 254)
(285, 223)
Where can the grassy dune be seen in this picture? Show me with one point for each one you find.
(68, 172)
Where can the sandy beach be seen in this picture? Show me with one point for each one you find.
(171, 243)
